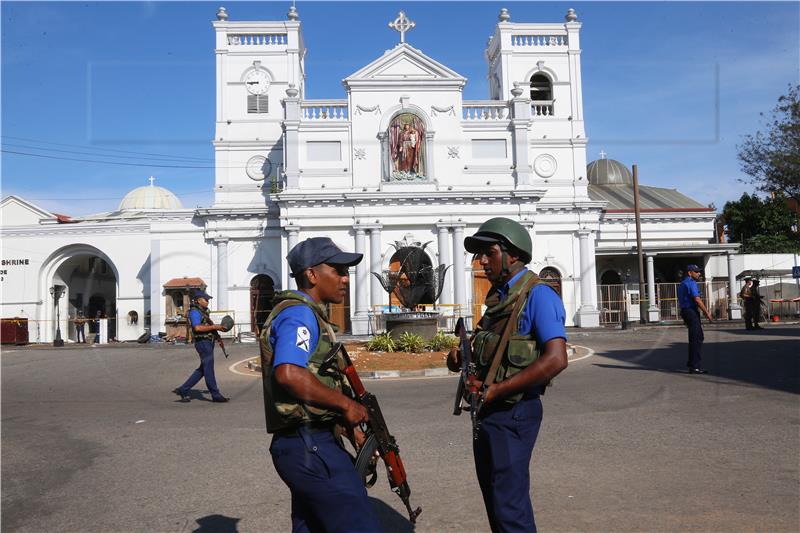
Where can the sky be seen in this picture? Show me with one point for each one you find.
(98, 96)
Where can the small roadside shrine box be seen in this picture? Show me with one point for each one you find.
(176, 292)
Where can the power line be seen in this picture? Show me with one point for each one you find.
(98, 149)
(92, 199)
(106, 162)
(166, 158)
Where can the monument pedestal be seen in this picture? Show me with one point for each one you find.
(588, 318)
(360, 324)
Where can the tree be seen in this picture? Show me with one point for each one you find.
(762, 226)
(772, 157)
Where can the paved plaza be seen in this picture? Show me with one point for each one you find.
(94, 441)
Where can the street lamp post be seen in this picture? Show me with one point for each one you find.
(56, 291)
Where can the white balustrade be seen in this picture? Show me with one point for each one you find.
(538, 40)
(324, 110)
(257, 39)
(489, 110)
(542, 108)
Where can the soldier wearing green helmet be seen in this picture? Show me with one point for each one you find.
(518, 346)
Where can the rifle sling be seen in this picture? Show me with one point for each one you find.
(512, 319)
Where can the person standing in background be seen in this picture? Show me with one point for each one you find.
(691, 305)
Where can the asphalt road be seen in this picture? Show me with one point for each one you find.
(94, 441)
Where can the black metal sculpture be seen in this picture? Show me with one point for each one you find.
(416, 280)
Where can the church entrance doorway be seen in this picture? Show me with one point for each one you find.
(89, 291)
(262, 291)
(610, 277)
(480, 286)
(552, 277)
(340, 313)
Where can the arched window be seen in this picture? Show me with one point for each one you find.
(610, 277)
(541, 88)
(552, 277)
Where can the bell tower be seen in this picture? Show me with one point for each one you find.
(543, 59)
(256, 63)
(541, 63)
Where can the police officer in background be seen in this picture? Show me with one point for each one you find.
(203, 329)
(752, 303)
(691, 305)
(536, 352)
(80, 331)
(306, 410)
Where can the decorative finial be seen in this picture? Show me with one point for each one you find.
(516, 92)
(504, 15)
(292, 14)
(402, 24)
(571, 16)
(602, 154)
(292, 92)
(222, 14)
(152, 181)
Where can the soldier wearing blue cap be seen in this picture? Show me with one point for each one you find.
(306, 410)
(691, 305)
(203, 329)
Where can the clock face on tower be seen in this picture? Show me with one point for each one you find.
(258, 167)
(257, 82)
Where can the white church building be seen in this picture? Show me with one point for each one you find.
(401, 158)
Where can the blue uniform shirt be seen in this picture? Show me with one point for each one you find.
(294, 335)
(543, 312)
(687, 290)
(195, 318)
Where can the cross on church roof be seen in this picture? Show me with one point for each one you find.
(152, 181)
(602, 154)
(402, 24)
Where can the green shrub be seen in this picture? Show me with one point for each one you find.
(442, 342)
(383, 342)
(410, 342)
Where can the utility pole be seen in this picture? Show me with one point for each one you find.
(637, 215)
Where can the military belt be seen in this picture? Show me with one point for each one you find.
(311, 428)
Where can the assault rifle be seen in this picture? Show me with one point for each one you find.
(467, 389)
(221, 344)
(227, 323)
(377, 436)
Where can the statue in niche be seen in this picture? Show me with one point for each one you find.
(407, 148)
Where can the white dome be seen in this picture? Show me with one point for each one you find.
(150, 197)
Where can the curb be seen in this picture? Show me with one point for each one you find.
(423, 373)
(378, 374)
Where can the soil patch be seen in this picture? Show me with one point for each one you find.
(367, 361)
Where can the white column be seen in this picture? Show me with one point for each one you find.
(459, 271)
(444, 259)
(734, 309)
(156, 299)
(521, 123)
(291, 242)
(360, 318)
(588, 316)
(222, 274)
(291, 136)
(653, 314)
(375, 265)
(430, 174)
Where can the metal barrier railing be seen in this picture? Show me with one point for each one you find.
(615, 300)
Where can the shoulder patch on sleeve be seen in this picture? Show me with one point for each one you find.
(303, 338)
